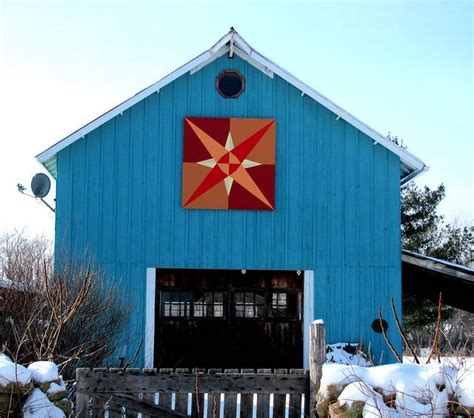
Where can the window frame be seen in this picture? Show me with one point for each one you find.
(224, 73)
(229, 304)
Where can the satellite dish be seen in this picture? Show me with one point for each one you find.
(40, 185)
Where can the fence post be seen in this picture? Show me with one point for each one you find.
(317, 356)
(82, 400)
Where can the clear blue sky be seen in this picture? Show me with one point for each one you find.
(403, 67)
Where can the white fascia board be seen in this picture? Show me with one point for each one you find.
(216, 54)
(237, 51)
(221, 42)
(264, 69)
(408, 158)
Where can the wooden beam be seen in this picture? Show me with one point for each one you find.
(317, 356)
(92, 381)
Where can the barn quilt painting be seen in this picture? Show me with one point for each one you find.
(229, 163)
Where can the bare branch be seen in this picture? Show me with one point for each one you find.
(387, 340)
(402, 333)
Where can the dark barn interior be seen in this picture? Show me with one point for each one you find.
(229, 319)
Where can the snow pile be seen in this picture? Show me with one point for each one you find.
(38, 405)
(43, 371)
(347, 353)
(38, 389)
(396, 390)
(12, 373)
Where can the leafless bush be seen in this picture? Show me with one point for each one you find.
(457, 335)
(70, 314)
(22, 258)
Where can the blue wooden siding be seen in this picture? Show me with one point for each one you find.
(337, 201)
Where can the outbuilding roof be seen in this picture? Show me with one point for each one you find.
(233, 43)
(428, 276)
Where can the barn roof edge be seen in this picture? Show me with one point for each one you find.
(232, 43)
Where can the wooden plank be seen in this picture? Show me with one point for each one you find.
(98, 406)
(182, 399)
(198, 406)
(263, 399)
(150, 396)
(186, 383)
(306, 404)
(114, 409)
(165, 399)
(82, 405)
(133, 371)
(246, 405)
(294, 408)
(279, 398)
(198, 395)
(213, 405)
(246, 399)
(181, 404)
(230, 405)
(213, 399)
(279, 405)
(263, 405)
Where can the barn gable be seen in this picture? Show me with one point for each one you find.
(233, 44)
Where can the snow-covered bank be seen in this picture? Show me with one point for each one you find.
(38, 389)
(397, 390)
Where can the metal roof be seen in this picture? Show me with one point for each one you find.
(428, 276)
(233, 43)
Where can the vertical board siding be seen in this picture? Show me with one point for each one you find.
(337, 201)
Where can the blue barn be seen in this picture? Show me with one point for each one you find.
(223, 282)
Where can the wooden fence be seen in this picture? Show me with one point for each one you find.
(205, 394)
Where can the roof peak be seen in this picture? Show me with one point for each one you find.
(233, 43)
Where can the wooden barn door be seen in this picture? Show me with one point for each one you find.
(229, 319)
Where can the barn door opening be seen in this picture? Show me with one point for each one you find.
(228, 319)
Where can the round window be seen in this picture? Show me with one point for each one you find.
(230, 84)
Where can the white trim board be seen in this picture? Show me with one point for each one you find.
(150, 300)
(233, 42)
(308, 313)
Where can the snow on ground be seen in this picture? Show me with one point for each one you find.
(346, 353)
(395, 390)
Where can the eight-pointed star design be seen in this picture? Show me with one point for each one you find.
(228, 163)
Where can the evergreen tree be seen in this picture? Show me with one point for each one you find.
(424, 232)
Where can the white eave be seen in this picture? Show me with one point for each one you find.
(232, 42)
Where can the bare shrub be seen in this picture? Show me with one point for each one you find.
(70, 314)
(457, 335)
